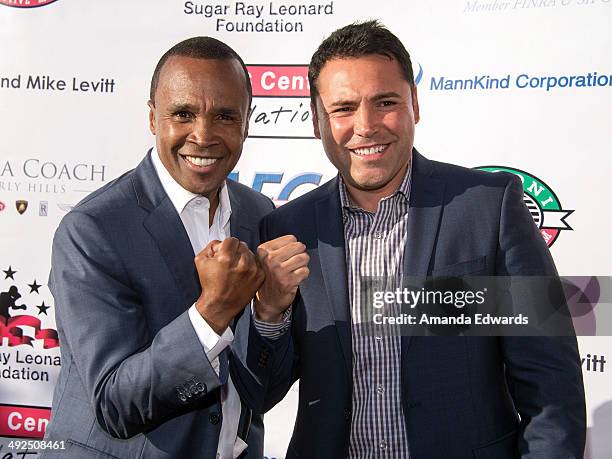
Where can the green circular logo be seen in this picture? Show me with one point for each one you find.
(542, 202)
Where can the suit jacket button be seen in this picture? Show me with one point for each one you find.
(214, 418)
(200, 388)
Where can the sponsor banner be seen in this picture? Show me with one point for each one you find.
(50, 84)
(521, 81)
(26, 3)
(280, 118)
(257, 17)
(279, 80)
(57, 182)
(281, 104)
(486, 97)
(542, 202)
(288, 188)
(23, 421)
(594, 363)
(500, 6)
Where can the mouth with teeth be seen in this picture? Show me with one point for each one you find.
(199, 163)
(370, 152)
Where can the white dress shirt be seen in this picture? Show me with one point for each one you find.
(194, 212)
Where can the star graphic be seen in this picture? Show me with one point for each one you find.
(34, 287)
(42, 309)
(9, 273)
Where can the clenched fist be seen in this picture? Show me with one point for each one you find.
(285, 264)
(229, 276)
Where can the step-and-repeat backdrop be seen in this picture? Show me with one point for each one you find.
(519, 85)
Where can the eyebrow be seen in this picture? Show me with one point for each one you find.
(186, 106)
(382, 95)
(385, 95)
(182, 106)
(227, 111)
(342, 102)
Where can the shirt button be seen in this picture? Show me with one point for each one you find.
(198, 202)
(377, 235)
(383, 445)
(380, 390)
(378, 338)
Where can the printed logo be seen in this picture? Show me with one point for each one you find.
(2, 206)
(65, 207)
(289, 190)
(21, 206)
(19, 323)
(26, 3)
(23, 422)
(542, 202)
(54, 182)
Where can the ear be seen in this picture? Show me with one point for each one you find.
(151, 117)
(415, 103)
(315, 120)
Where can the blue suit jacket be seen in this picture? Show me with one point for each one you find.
(463, 397)
(135, 381)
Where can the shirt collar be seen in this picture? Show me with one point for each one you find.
(403, 190)
(180, 197)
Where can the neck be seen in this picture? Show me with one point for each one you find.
(213, 199)
(368, 199)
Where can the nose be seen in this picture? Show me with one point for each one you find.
(364, 121)
(202, 132)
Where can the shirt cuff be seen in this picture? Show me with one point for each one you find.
(273, 330)
(212, 343)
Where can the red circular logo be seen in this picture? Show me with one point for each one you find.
(1, 206)
(26, 3)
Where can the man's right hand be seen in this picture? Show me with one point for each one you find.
(285, 263)
(229, 277)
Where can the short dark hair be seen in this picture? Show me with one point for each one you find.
(356, 40)
(200, 48)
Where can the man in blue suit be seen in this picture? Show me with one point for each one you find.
(391, 213)
(147, 296)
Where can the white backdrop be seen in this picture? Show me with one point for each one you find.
(60, 141)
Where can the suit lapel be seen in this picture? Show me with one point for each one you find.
(243, 225)
(332, 256)
(166, 228)
(426, 203)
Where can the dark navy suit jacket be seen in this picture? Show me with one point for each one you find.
(463, 397)
(135, 381)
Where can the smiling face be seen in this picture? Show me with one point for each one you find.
(365, 116)
(200, 120)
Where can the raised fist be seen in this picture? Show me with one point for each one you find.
(285, 263)
(229, 276)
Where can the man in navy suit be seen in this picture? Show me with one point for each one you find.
(147, 296)
(391, 213)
